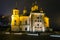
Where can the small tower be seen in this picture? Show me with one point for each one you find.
(24, 11)
(41, 10)
(34, 7)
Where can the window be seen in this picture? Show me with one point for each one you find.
(26, 22)
(35, 20)
(26, 29)
(37, 24)
(15, 22)
(40, 27)
(37, 17)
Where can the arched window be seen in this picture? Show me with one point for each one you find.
(15, 12)
(20, 22)
(26, 29)
(15, 22)
(26, 22)
(37, 17)
(37, 24)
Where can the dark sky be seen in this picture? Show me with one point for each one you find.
(50, 7)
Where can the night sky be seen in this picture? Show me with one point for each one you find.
(50, 7)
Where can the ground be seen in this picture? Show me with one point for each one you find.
(17, 36)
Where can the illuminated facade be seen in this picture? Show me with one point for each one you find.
(36, 21)
(15, 20)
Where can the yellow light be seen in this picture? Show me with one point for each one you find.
(15, 11)
(24, 11)
(35, 7)
(3, 16)
(23, 18)
(46, 19)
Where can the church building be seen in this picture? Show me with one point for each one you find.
(36, 21)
